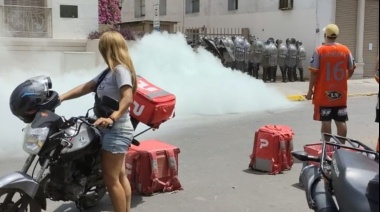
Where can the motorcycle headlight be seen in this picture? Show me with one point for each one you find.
(34, 139)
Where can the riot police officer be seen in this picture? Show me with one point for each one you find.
(239, 53)
(301, 57)
(247, 47)
(265, 61)
(272, 60)
(281, 59)
(255, 56)
(228, 52)
(291, 61)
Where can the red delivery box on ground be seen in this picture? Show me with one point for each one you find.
(152, 105)
(272, 149)
(153, 167)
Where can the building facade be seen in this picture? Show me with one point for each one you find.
(48, 35)
(60, 19)
(281, 19)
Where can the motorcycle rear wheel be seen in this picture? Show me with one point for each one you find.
(16, 200)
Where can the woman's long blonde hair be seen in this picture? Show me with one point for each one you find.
(114, 49)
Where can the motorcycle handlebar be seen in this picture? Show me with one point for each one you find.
(92, 120)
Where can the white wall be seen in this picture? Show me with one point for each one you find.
(325, 15)
(262, 17)
(73, 28)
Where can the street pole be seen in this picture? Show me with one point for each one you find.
(156, 17)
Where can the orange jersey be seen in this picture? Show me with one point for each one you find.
(332, 62)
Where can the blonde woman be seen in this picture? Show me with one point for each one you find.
(119, 83)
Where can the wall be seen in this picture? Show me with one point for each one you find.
(325, 15)
(74, 28)
(262, 17)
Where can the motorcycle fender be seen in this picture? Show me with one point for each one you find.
(25, 183)
(310, 174)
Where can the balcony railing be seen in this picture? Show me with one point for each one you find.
(25, 21)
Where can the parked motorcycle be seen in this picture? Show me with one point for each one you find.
(66, 150)
(346, 180)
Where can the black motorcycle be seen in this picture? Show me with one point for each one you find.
(66, 150)
(348, 181)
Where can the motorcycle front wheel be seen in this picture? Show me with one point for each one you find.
(12, 200)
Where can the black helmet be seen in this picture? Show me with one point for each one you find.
(270, 40)
(278, 41)
(299, 43)
(31, 96)
(293, 41)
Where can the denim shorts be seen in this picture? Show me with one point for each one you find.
(118, 139)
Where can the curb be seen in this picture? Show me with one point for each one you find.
(296, 97)
(362, 94)
(301, 97)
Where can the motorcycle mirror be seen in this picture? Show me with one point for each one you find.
(304, 156)
(301, 155)
(110, 103)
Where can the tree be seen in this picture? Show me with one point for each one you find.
(109, 12)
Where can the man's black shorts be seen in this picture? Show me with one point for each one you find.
(330, 113)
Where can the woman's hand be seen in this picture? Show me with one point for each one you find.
(103, 122)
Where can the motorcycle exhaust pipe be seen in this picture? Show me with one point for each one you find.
(323, 199)
(317, 195)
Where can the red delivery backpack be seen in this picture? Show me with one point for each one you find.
(152, 105)
(153, 167)
(272, 149)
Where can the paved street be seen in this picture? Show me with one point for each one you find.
(215, 155)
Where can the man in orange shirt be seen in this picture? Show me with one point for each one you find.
(331, 66)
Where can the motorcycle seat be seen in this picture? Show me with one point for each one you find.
(352, 173)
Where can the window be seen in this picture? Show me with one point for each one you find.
(233, 4)
(29, 3)
(139, 8)
(162, 7)
(68, 11)
(286, 4)
(192, 6)
(142, 7)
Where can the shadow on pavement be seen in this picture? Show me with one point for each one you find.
(256, 172)
(104, 205)
(297, 185)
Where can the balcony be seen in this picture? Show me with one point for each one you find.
(25, 21)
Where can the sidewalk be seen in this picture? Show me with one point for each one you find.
(295, 91)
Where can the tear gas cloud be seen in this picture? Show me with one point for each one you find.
(201, 84)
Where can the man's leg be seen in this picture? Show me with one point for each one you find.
(256, 69)
(265, 73)
(340, 116)
(301, 74)
(326, 128)
(250, 69)
(341, 128)
(283, 73)
(289, 71)
(323, 114)
(273, 73)
(295, 77)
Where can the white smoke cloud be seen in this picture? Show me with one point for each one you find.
(199, 81)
